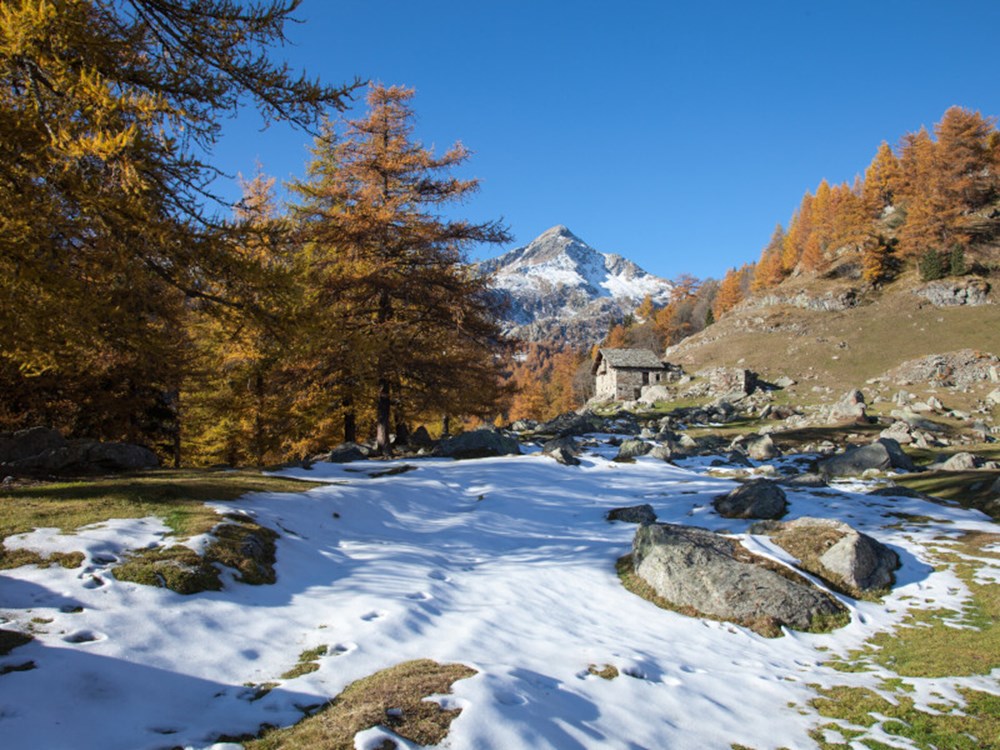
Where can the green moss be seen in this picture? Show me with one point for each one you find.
(307, 662)
(975, 725)
(246, 546)
(943, 642)
(393, 697)
(177, 568)
(15, 558)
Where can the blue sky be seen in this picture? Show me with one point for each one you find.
(676, 134)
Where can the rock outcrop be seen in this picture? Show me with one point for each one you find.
(882, 455)
(837, 553)
(758, 498)
(698, 571)
(479, 444)
(42, 451)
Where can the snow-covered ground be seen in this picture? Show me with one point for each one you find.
(504, 564)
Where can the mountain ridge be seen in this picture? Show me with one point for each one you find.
(559, 288)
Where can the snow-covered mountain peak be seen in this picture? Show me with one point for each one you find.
(558, 286)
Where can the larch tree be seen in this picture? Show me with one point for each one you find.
(394, 266)
(108, 112)
(730, 292)
(882, 180)
(769, 271)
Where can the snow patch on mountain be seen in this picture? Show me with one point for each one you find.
(558, 287)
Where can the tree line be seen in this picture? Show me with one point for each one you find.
(134, 307)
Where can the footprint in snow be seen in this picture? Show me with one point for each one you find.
(510, 698)
(93, 582)
(340, 649)
(85, 636)
(439, 575)
(373, 615)
(419, 596)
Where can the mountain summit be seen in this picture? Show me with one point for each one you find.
(557, 287)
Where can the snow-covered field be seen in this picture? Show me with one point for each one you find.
(504, 564)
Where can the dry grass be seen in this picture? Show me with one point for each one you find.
(308, 662)
(607, 672)
(393, 698)
(177, 496)
(970, 489)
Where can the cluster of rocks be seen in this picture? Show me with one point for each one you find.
(42, 451)
(703, 573)
(953, 292)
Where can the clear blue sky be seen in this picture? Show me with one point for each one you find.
(676, 134)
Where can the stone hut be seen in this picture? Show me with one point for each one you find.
(621, 374)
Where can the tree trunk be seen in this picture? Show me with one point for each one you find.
(350, 421)
(382, 409)
(445, 422)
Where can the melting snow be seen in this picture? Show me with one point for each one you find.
(504, 564)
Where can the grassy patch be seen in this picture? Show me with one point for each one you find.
(942, 642)
(176, 496)
(970, 489)
(11, 639)
(393, 697)
(975, 725)
(308, 662)
(15, 558)
(765, 626)
(240, 543)
(177, 568)
(607, 672)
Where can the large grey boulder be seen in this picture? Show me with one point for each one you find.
(569, 423)
(835, 552)
(344, 453)
(698, 570)
(959, 462)
(86, 457)
(882, 455)
(640, 514)
(24, 444)
(761, 447)
(479, 444)
(630, 449)
(758, 498)
(851, 406)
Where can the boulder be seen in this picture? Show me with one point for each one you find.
(882, 455)
(851, 406)
(958, 462)
(86, 457)
(563, 456)
(993, 397)
(24, 444)
(761, 448)
(664, 452)
(344, 453)
(706, 573)
(758, 498)
(478, 444)
(899, 431)
(640, 514)
(630, 449)
(835, 552)
(569, 423)
(564, 450)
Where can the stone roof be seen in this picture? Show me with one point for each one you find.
(642, 359)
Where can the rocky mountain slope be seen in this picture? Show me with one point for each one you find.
(559, 288)
(833, 333)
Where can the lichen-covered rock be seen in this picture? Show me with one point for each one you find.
(699, 571)
(761, 448)
(950, 293)
(758, 498)
(882, 455)
(630, 449)
(835, 552)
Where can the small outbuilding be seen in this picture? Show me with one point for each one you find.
(621, 374)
